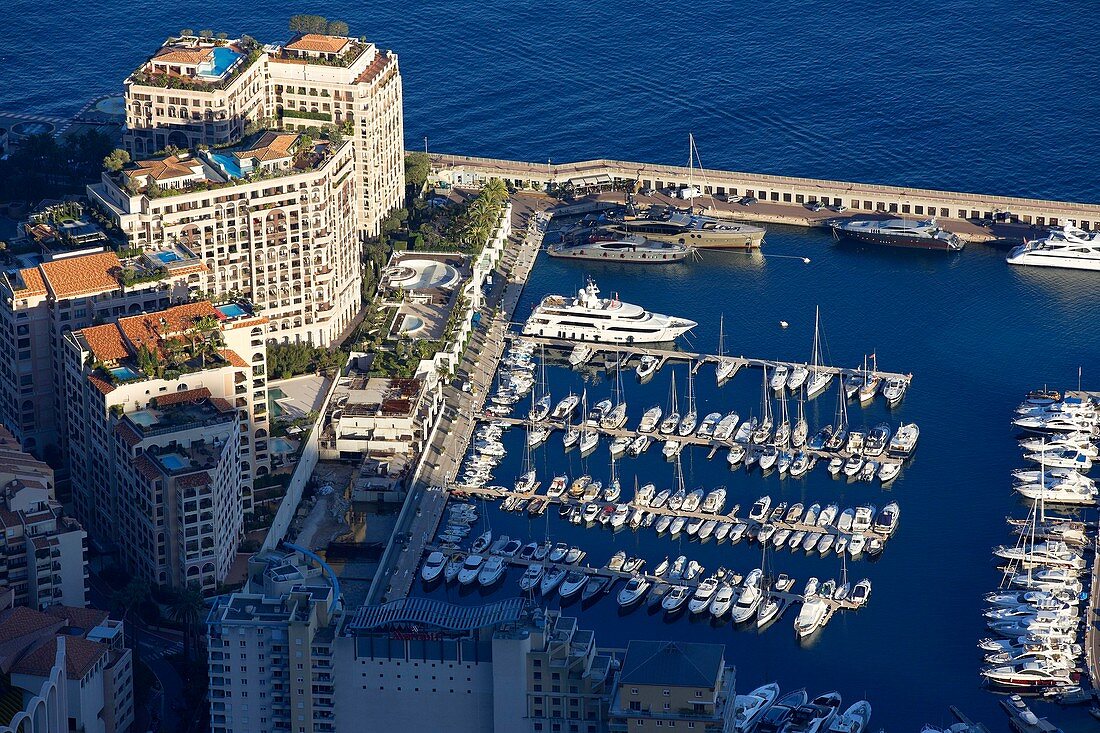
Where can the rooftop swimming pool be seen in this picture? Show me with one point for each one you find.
(125, 373)
(228, 162)
(143, 417)
(224, 58)
(173, 461)
(232, 310)
(167, 257)
(282, 445)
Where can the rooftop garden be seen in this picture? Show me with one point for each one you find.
(446, 225)
(248, 45)
(194, 350)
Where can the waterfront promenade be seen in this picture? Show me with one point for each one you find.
(427, 497)
(783, 199)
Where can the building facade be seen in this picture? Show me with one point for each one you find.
(196, 91)
(168, 428)
(270, 648)
(273, 220)
(42, 551)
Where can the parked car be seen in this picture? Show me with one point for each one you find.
(815, 205)
(839, 208)
(749, 201)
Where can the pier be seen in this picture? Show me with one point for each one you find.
(783, 199)
(664, 355)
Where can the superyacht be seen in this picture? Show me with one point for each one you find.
(692, 230)
(588, 317)
(1068, 247)
(605, 243)
(897, 233)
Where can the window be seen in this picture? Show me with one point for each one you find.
(698, 693)
(665, 692)
(633, 690)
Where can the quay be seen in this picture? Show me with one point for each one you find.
(692, 439)
(618, 575)
(491, 492)
(664, 355)
(783, 199)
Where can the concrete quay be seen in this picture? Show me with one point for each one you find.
(783, 199)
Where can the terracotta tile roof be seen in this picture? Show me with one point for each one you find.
(72, 276)
(187, 395)
(146, 468)
(193, 480)
(164, 169)
(10, 519)
(221, 403)
(233, 357)
(318, 43)
(380, 62)
(80, 656)
(270, 146)
(101, 384)
(85, 618)
(32, 283)
(177, 55)
(105, 342)
(21, 621)
(153, 329)
(127, 433)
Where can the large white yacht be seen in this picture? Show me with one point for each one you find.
(588, 317)
(1067, 247)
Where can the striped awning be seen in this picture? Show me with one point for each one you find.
(429, 613)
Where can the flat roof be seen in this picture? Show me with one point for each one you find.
(436, 614)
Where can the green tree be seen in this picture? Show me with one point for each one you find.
(337, 28)
(206, 33)
(186, 608)
(130, 597)
(417, 168)
(187, 32)
(116, 160)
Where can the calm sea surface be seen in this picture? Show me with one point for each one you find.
(993, 97)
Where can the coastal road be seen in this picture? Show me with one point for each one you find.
(460, 410)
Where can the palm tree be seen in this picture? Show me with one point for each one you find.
(186, 608)
(131, 596)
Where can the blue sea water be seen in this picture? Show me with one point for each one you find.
(992, 97)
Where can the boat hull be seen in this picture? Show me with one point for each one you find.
(891, 240)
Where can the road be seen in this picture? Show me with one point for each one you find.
(457, 421)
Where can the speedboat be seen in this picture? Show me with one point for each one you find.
(596, 584)
(797, 377)
(572, 583)
(736, 454)
(888, 472)
(776, 717)
(811, 617)
(706, 428)
(491, 571)
(816, 715)
(675, 598)
(433, 566)
(574, 556)
(886, 522)
(557, 554)
(723, 431)
(564, 409)
(853, 465)
(650, 419)
(661, 498)
(551, 580)
(760, 510)
(692, 500)
(877, 440)
(700, 600)
(779, 377)
(722, 599)
(750, 598)
(647, 367)
(670, 423)
(747, 709)
(470, 569)
(531, 577)
(860, 592)
(453, 567)
(633, 591)
(768, 456)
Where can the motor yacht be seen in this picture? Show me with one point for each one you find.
(1068, 247)
(532, 576)
(647, 367)
(749, 708)
(607, 244)
(723, 431)
(588, 317)
(572, 584)
(651, 418)
(924, 234)
(776, 717)
(634, 590)
(433, 567)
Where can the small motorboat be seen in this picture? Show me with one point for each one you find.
(572, 584)
(596, 585)
(557, 554)
(532, 576)
(675, 598)
(470, 569)
(454, 565)
(551, 580)
(433, 567)
(860, 592)
(492, 571)
(634, 590)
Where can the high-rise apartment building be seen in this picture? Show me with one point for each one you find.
(167, 429)
(196, 91)
(273, 220)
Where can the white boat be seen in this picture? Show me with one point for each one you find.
(639, 445)
(768, 457)
(800, 464)
(565, 409)
(551, 580)
(644, 495)
(672, 448)
(557, 486)
(691, 418)
(618, 519)
(633, 591)
(853, 465)
(675, 598)
(700, 599)
(588, 442)
(894, 390)
(723, 431)
(735, 454)
(692, 500)
(726, 367)
(651, 418)
(1068, 247)
(819, 378)
(1073, 458)
(647, 367)
(836, 465)
(588, 317)
(470, 569)
(748, 709)
(532, 576)
(541, 409)
(878, 439)
(863, 518)
(855, 719)
(760, 509)
(572, 584)
(797, 377)
(748, 602)
(615, 418)
(860, 592)
(481, 544)
(722, 600)
(706, 428)
(856, 544)
(904, 441)
(886, 521)
(887, 472)
(677, 525)
(1030, 675)
(811, 617)
(433, 566)
(580, 354)
(825, 543)
(715, 501)
(1078, 441)
(779, 377)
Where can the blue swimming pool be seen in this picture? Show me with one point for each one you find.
(232, 310)
(228, 162)
(125, 373)
(167, 257)
(282, 445)
(173, 461)
(224, 58)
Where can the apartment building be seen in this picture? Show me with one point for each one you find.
(273, 220)
(270, 648)
(39, 304)
(168, 428)
(42, 551)
(68, 669)
(668, 686)
(205, 91)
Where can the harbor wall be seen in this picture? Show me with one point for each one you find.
(859, 198)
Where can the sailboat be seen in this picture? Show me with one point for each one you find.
(527, 482)
(540, 407)
(726, 367)
(589, 438)
(839, 435)
(801, 428)
(672, 417)
(616, 417)
(819, 379)
(763, 430)
(573, 432)
(871, 381)
(691, 417)
(782, 438)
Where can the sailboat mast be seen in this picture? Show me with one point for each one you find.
(691, 162)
